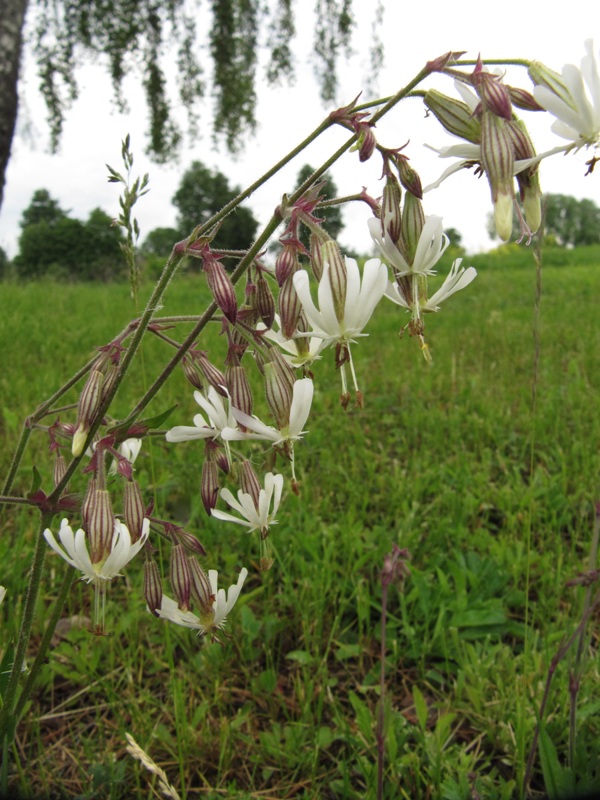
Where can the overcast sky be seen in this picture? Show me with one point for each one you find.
(412, 34)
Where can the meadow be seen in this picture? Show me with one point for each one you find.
(483, 465)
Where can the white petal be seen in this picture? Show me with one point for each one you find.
(302, 398)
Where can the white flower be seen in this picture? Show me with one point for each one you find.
(576, 105)
(76, 553)
(430, 248)
(254, 517)
(216, 617)
(360, 302)
(2, 593)
(457, 279)
(129, 449)
(302, 395)
(296, 356)
(219, 417)
(361, 299)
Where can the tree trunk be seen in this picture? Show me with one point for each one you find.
(12, 20)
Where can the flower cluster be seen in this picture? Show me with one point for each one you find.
(310, 299)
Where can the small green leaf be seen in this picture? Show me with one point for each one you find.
(420, 708)
(36, 482)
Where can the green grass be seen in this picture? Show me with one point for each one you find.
(494, 502)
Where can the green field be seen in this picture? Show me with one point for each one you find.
(492, 493)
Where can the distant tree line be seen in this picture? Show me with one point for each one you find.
(55, 245)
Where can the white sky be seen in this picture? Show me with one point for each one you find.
(413, 33)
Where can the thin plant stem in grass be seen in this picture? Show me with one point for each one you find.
(394, 570)
(562, 651)
(576, 672)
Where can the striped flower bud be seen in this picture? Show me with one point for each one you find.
(89, 402)
(190, 542)
(409, 177)
(60, 468)
(221, 287)
(179, 576)
(454, 115)
(209, 485)
(391, 214)
(317, 262)
(541, 75)
(289, 308)
(152, 586)
(110, 377)
(493, 93)
(249, 482)
(338, 276)
(528, 179)
(265, 302)
(239, 389)
(413, 222)
(287, 262)
(100, 525)
(201, 590)
(213, 375)
(523, 99)
(497, 158)
(133, 509)
(278, 392)
(192, 373)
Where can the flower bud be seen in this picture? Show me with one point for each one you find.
(497, 158)
(152, 586)
(179, 575)
(239, 389)
(366, 142)
(409, 177)
(100, 522)
(192, 373)
(278, 392)
(493, 92)
(316, 255)
(189, 541)
(249, 483)
(89, 402)
(221, 287)
(200, 588)
(413, 221)
(338, 276)
(60, 468)
(110, 378)
(289, 308)
(213, 375)
(209, 485)
(265, 302)
(523, 99)
(391, 215)
(133, 509)
(286, 263)
(542, 75)
(454, 115)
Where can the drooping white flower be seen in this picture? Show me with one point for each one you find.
(295, 354)
(212, 620)
(219, 416)
(575, 104)
(2, 593)
(432, 244)
(457, 279)
(259, 516)
(76, 552)
(129, 449)
(302, 395)
(360, 301)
